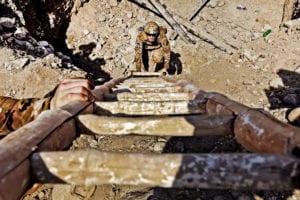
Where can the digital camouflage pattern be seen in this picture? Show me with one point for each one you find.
(153, 56)
(15, 113)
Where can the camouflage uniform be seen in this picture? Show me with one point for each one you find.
(15, 113)
(154, 56)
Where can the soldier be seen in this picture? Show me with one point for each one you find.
(152, 49)
(15, 113)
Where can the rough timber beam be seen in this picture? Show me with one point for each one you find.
(220, 171)
(150, 108)
(151, 89)
(155, 96)
(194, 125)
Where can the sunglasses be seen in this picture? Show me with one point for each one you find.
(153, 35)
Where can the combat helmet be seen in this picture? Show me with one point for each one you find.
(151, 28)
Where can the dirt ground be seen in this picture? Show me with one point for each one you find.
(101, 35)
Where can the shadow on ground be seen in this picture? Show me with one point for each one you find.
(287, 95)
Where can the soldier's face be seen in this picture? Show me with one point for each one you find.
(151, 37)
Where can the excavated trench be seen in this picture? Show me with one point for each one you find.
(49, 21)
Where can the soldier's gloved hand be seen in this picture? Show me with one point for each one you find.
(72, 90)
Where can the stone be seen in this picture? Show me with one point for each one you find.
(102, 18)
(221, 3)
(85, 31)
(291, 100)
(8, 25)
(129, 14)
(297, 69)
(113, 3)
(21, 33)
(276, 82)
(22, 62)
(43, 43)
(294, 116)
(159, 146)
(128, 59)
(267, 27)
(212, 4)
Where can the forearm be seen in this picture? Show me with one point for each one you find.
(167, 53)
(14, 113)
(138, 59)
(167, 58)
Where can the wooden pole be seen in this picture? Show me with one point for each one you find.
(150, 89)
(154, 96)
(195, 125)
(219, 171)
(258, 131)
(47, 132)
(194, 14)
(143, 85)
(149, 108)
(288, 9)
(168, 17)
(205, 36)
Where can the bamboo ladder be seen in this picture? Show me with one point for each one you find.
(151, 104)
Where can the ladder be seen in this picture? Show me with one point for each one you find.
(149, 104)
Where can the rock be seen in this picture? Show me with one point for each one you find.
(159, 146)
(297, 69)
(16, 64)
(291, 100)
(102, 18)
(127, 60)
(21, 33)
(43, 43)
(294, 116)
(249, 56)
(276, 82)
(6, 36)
(255, 36)
(22, 62)
(129, 14)
(221, 3)
(7, 25)
(40, 51)
(85, 31)
(212, 4)
(266, 27)
(113, 3)
(32, 40)
(41, 195)
(212, 81)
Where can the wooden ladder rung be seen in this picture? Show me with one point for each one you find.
(150, 108)
(151, 89)
(223, 171)
(193, 125)
(154, 96)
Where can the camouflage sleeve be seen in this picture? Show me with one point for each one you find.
(138, 54)
(167, 52)
(15, 113)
